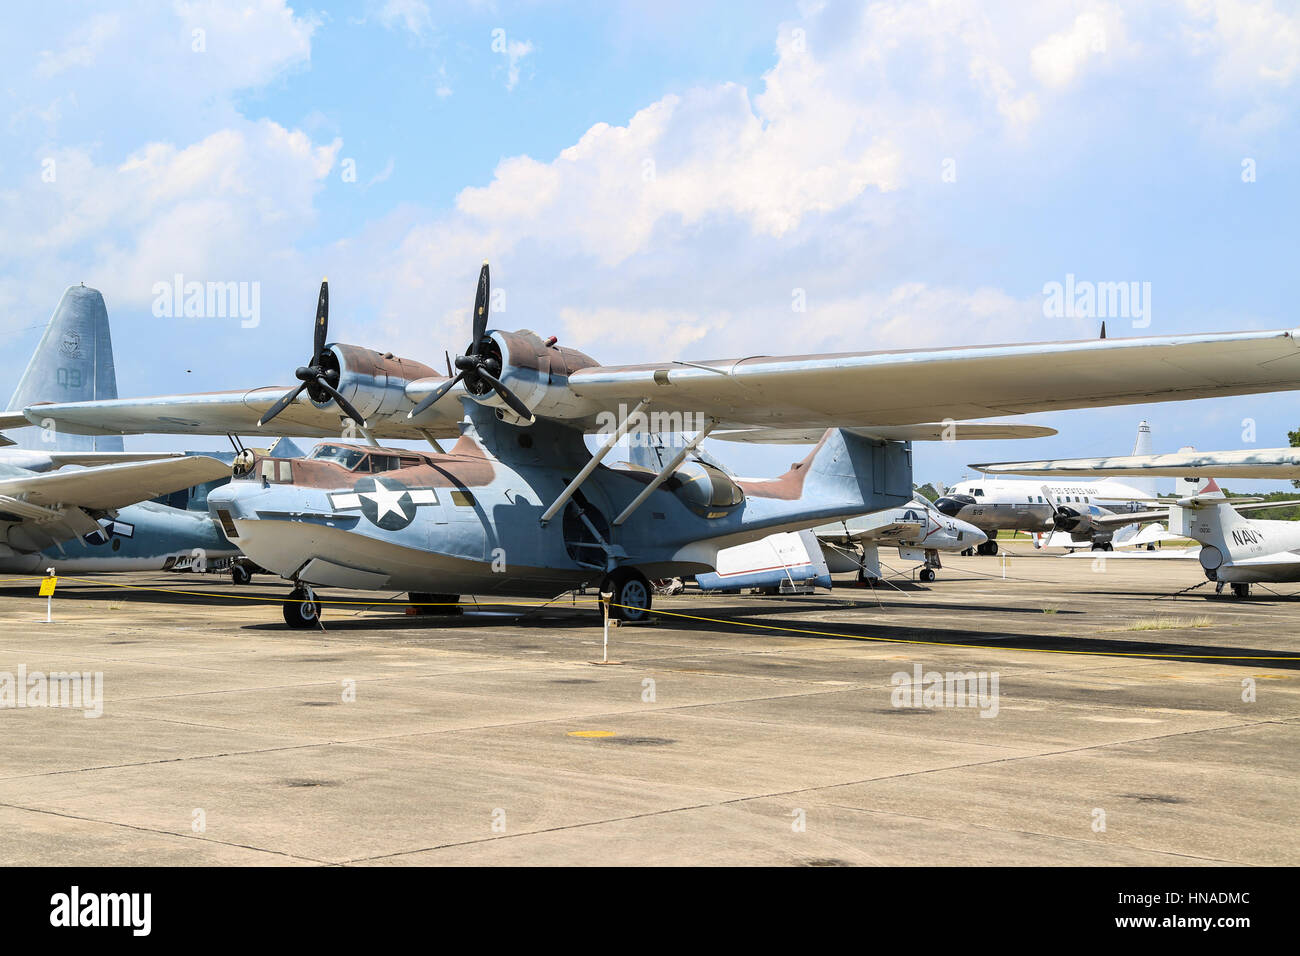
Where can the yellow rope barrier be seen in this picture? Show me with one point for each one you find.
(694, 617)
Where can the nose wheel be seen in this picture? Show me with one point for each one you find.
(927, 575)
(302, 610)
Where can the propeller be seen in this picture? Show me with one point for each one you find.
(1063, 518)
(479, 367)
(321, 377)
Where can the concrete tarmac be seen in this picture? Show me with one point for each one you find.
(1126, 727)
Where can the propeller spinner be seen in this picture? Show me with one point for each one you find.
(479, 367)
(321, 377)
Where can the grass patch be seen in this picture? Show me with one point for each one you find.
(1165, 624)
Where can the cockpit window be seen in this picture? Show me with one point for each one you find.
(977, 492)
(347, 457)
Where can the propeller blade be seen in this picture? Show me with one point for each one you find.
(285, 401)
(322, 318)
(507, 396)
(480, 308)
(433, 396)
(344, 405)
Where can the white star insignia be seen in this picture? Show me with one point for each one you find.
(385, 499)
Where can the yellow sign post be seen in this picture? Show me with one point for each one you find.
(48, 584)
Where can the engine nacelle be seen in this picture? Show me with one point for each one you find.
(372, 381)
(536, 372)
(1077, 521)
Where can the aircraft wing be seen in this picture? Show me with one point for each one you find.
(1265, 505)
(1120, 519)
(926, 385)
(221, 413)
(112, 486)
(867, 389)
(1252, 463)
(924, 431)
(60, 458)
(865, 530)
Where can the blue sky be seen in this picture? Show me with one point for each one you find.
(794, 146)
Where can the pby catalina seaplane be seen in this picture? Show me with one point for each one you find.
(520, 506)
(1235, 549)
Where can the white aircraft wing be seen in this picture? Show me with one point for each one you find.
(112, 486)
(927, 385)
(869, 389)
(868, 528)
(1252, 463)
(233, 412)
(923, 431)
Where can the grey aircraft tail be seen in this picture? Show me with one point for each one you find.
(73, 363)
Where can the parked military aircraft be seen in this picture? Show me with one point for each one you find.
(918, 529)
(520, 506)
(1071, 507)
(1235, 550)
(789, 561)
(79, 503)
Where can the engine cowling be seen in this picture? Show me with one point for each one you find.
(536, 370)
(374, 382)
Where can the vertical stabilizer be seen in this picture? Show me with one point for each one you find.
(1142, 446)
(73, 363)
(1192, 487)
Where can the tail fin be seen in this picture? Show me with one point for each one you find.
(1142, 446)
(1191, 487)
(73, 363)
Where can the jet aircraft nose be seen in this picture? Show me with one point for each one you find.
(951, 505)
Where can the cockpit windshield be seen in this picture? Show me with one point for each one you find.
(362, 461)
(347, 457)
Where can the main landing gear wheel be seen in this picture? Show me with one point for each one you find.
(1240, 589)
(632, 595)
(240, 575)
(927, 575)
(302, 610)
(989, 548)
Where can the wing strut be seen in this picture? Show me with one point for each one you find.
(596, 459)
(666, 472)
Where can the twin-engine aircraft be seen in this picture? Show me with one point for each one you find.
(520, 506)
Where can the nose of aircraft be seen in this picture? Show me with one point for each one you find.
(974, 537)
(951, 505)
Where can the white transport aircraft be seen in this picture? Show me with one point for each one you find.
(1074, 508)
(1235, 550)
